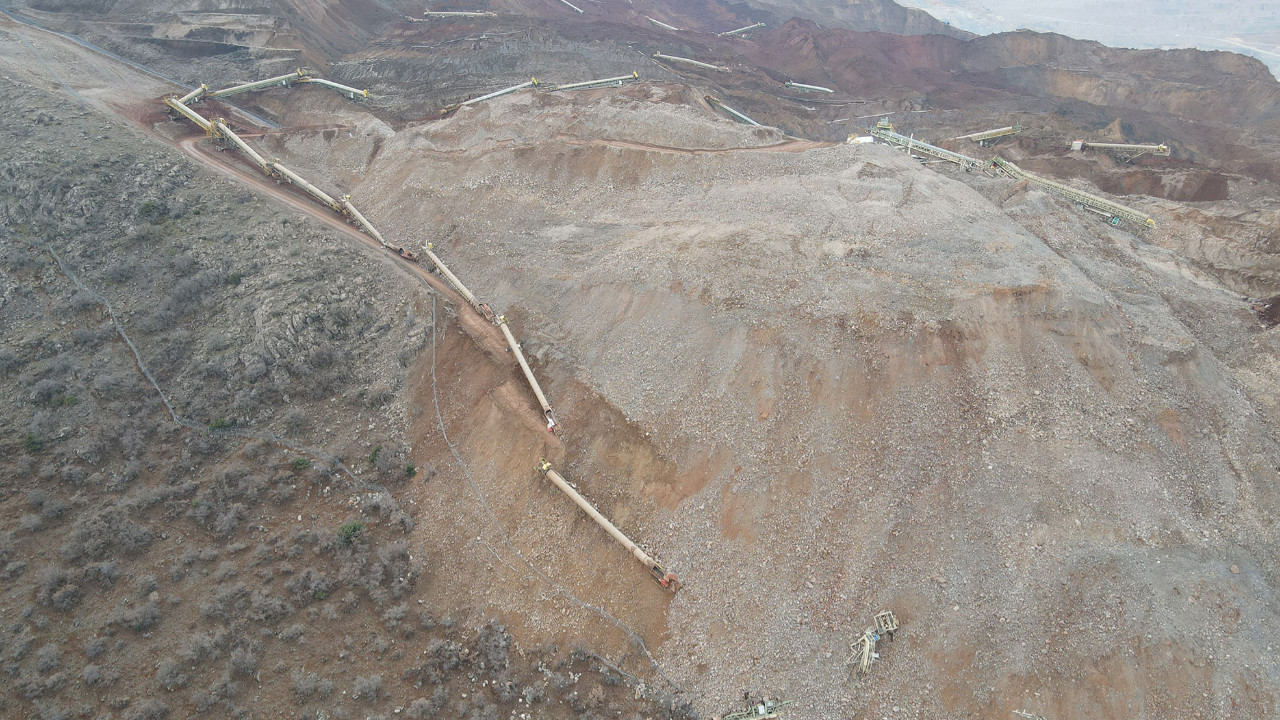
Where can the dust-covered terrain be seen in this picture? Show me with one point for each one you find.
(816, 379)
(210, 492)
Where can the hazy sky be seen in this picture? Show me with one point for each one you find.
(1251, 27)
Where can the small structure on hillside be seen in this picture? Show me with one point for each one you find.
(864, 648)
(757, 707)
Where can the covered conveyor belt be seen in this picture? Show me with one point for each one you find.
(1128, 150)
(533, 82)
(194, 95)
(312, 190)
(741, 30)
(603, 82)
(660, 574)
(1114, 211)
(282, 81)
(884, 131)
(690, 61)
(463, 290)
(350, 92)
(807, 88)
(662, 25)
(518, 351)
(458, 14)
(713, 102)
(986, 136)
(360, 219)
(220, 130)
(296, 77)
(175, 106)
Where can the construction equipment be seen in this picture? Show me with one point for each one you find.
(350, 92)
(297, 76)
(1114, 212)
(730, 111)
(194, 95)
(360, 221)
(436, 14)
(662, 25)
(884, 131)
(989, 137)
(295, 179)
(688, 61)
(864, 648)
(282, 81)
(1127, 152)
(518, 350)
(741, 30)
(466, 293)
(757, 708)
(573, 7)
(501, 321)
(533, 82)
(177, 107)
(659, 574)
(590, 84)
(226, 138)
(807, 88)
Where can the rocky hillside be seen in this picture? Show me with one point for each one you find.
(878, 16)
(1250, 27)
(966, 401)
(817, 379)
(208, 476)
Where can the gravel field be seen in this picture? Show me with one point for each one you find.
(1043, 441)
(817, 380)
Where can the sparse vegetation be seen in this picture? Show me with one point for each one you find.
(367, 688)
(308, 684)
(348, 531)
(152, 211)
(155, 568)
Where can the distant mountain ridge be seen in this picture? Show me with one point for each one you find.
(1250, 27)
(866, 15)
